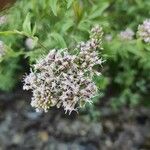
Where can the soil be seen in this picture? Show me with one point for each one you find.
(21, 128)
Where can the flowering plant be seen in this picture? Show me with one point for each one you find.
(63, 79)
(60, 25)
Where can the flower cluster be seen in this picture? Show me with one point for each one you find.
(127, 34)
(64, 80)
(144, 31)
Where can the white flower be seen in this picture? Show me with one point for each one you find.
(144, 31)
(127, 34)
(64, 80)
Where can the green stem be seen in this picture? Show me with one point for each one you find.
(23, 34)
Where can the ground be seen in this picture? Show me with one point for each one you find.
(21, 128)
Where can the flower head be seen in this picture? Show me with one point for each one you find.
(144, 31)
(64, 80)
(127, 34)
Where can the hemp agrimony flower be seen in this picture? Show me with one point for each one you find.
(144, 31)
(127, 34)
(64, 80)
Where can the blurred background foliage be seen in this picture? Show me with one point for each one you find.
(125, 79)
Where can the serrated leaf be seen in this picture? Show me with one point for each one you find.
(27, 24)
(67, 25)
(97, 11)
(78, 11)
(34, 29)
(84, 25)
(53, 5)
(60, 40)
(69, 3)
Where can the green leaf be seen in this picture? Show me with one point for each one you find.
(84, 25)
(60, 40)
(78, 11)
(67, 25)
(34, 29)
(53, 5)
(98, 10)
(69, 3)
(101, 81)
(8, 74)
(27, 24)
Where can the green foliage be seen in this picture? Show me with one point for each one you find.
(8, 76)
(60, 24)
